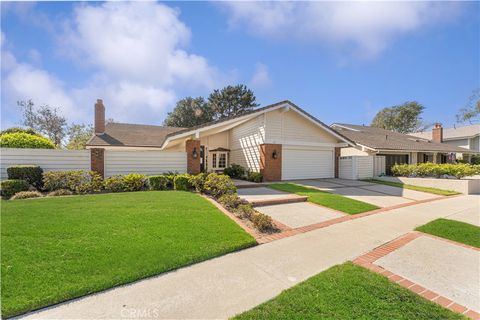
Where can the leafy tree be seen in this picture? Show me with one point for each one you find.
(78, 135)
(471, 112)
(25, 140)
(231, 101)
(45, 120)
(189, 112)
(17, 130)
(405, 118)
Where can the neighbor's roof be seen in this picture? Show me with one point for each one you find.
(381, 139)
(131, 135)
(453, 133)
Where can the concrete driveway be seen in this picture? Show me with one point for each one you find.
(264, 196)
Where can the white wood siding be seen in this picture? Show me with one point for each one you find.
(345, 168)
(47, 159)
(300, 162)
(146, 162)
(357, 167)
(364, 167)
(245, 141)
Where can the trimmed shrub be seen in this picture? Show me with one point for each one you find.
(114, 183)
(25, 140)
(60, 192)
(235, 171)
(20, 130)
(10, 187)
(158, 182)
(30, 173)
(134, 182)
(254, 176)
(26, 195)
(198, 181)
(219, 184)
(245, 211)
(458, 170)
(475, 160)
(230, 201)
(77, 181)
(262, 222)
(182, 182)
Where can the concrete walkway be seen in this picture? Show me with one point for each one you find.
(228, 285)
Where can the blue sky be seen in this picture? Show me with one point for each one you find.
(342, 62)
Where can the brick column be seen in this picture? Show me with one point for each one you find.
(193, 165)
(337, 160)
(97, 160)
(271, 168)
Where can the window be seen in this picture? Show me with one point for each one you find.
(214, 160)
(222, 160)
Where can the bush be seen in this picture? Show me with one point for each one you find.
(262, 222)
(31, 174)
(219, 184)
(26, 195)
(245, 211)
(181, 182)
(10, 187)
(60, 192)
(77, 181)
(230, 201)
(198, 181)
(235, 171)
(254, 176)
(114, 183)
(134, 182)
(20, 130)
(475, 160)
(458, 170)
(24, 140)
(158, 182)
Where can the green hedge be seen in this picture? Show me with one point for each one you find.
(160, 182)
(25, 140)
(182, 182)
(458, 170)
(31, 174)
(77, 181)
(9, 187)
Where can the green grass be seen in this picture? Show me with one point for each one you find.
(348, 292)
(326, 199)
(416, 188)
(453, 230)
(55, 249)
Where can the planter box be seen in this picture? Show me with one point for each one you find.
(465, 186)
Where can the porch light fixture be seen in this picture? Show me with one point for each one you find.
(274, 154)
(194, 153)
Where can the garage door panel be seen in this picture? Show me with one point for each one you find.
(307, 162)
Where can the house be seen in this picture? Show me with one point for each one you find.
(397, 148)
(281, 141)
(467, 137)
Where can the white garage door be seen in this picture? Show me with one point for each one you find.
(299, 162)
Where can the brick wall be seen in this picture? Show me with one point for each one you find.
(97, 160)
(337, 160)
(271, 168)
(437, 133)
(193, 165)
(99, 117)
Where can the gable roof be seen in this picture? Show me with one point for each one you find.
(381, 139)
(131, 135)
(452, 133)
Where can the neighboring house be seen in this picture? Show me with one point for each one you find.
(397, 148)
(467, 137)
(280, 140)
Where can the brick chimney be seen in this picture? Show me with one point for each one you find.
(99, 117)
(437, 133)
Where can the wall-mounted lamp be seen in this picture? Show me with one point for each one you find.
(194, 153)
(274, 154)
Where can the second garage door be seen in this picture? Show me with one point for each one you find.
(300, 162)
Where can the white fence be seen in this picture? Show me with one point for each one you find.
(360, 167)
(147, 162)
(48, 160)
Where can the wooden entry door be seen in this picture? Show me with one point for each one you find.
(392, 159)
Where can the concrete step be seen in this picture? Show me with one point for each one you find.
(270, 202)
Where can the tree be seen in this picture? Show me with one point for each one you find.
(405, 118)
(189, 112)
(471, 112)
(45, 120)
(78, 135)
(231, 101)
(25, 140)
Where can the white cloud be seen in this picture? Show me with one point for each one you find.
(261, 77)
(367, 28)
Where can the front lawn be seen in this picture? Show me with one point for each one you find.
(326, 199)
(55, 249)
(416, 188)
(453, 230)
(348, 292)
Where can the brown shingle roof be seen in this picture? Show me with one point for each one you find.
(128, 135)
(381, 139)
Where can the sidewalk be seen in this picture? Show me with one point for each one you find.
(228, 285)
